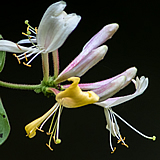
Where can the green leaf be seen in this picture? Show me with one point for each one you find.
(4, 124)
(2, 57)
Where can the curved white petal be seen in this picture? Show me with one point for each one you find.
(108, 90)
(129, 74)
(84, 65)
(55, 27)
(140, 85)
(23, 41)
(9, 46)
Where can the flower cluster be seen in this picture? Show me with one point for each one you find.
(54, 28)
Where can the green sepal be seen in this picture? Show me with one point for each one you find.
(2, 57)
(4, 124)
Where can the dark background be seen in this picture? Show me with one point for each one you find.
(82, 130)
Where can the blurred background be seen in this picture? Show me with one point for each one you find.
(82, 130)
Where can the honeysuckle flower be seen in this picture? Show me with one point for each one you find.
(77, 95)
(53, 30)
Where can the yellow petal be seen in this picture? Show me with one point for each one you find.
(33, 126)
(74, 97)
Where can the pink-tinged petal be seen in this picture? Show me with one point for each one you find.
(9, 46)
(55, 27)
(108, 90)
(102, 36)
(85, 64)
(55, 91)
(129, 74)
(140, 85)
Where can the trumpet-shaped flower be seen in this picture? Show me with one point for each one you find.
(77, 95)
(53, 30)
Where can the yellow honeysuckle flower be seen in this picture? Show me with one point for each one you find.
(74, 97)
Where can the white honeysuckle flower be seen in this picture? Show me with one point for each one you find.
(140, 85)
(54, 28)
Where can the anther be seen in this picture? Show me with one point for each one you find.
(120, 140)
(24, 34)
(25, 57)
(27, 28)
(17, 58)
(48, 133)
(36, 30)
(49, 147)
(125, 145)
(39, 129)
(113, 150)
(26, 64)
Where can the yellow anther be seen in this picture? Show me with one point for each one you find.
(28, 28)
(48, 133)
(54, 140)
(36, 30)
(17, 58)
(24, 34)
(125, 145)
(120, 140)
(113, 150)
(49, 147)
(39, 129)
(25, 57)
(26, 64)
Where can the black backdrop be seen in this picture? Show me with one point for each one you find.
(82, 130)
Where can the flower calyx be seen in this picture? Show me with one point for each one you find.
(44, 87)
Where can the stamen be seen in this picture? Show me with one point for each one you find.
(120, 140)
(36, 30)
(49, 147)
(26, 64)
(125, 145)
(48, 133)
(25, 57)
(110, 137)
(153, 138)
(28, 28)
(17, 58)
(35, 56)
(24, 34)
(113, 150)
(39, 129)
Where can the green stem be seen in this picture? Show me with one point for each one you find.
(19, 86)
(45, 67)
